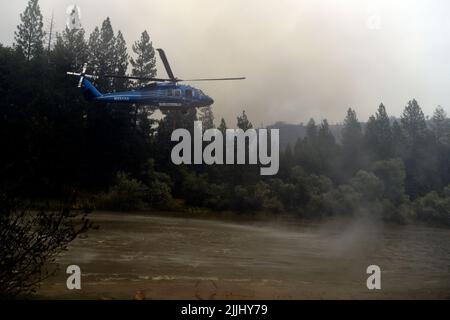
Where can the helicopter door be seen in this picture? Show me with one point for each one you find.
(188, 93)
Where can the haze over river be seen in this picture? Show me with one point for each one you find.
(185, 258)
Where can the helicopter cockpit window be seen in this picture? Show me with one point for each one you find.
(188, 93)
(177, 93)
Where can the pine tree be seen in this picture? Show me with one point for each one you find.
(328, 149)
(352, 138)
(352, 132)
(325, 137)
(440, 125)
(398, 140)
(144, 65)
(311, 131)
(207, 118)
(102, 48)
(414, 124)
(94, 50)
(223, 126)
(29, 36)
(121, 62)
(420, 156)
(71, 49)
(286, 162)
(378, 135)
(243, 122)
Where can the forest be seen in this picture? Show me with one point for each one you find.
(58, 146)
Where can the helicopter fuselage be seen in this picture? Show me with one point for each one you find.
(160, 95)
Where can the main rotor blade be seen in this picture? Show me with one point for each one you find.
(166, 80)
(134, 78)
(215, 79)
(162, 54)
(73, 74)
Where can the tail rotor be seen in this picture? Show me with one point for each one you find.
(82, 75)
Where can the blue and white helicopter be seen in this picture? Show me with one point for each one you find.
(163, 94)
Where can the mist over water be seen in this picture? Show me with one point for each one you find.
(206, 259)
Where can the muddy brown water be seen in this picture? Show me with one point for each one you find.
(186, 258)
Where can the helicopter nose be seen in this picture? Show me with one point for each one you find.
(209, 101)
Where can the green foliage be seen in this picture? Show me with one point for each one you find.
(217, 197)
(420, 156)
(318, 151)
(195, 188)
(129, 194)
(144, 64)
(433, 208)
(121, 63)
(378, 135)
(71, 50)
(352, 140)
(283, 192)
(342, 201)
(108, 55)
(159, 188)
(265, 199)
(126, 195)
(29, 36)
(243, 122)
(440, 126)
(243, 200)
(392, 174)
(30, 241)
(368, 185)
(207, 118)
(311, 131)
(414, 125)
(223, 126)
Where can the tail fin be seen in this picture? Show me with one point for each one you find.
(88, 88)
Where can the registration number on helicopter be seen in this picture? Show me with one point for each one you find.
(169, 104)
(121, 99)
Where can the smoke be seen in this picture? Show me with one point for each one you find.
(302, 59)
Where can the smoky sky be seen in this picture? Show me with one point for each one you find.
(302, 58)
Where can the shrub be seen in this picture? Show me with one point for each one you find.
(392, 173)
(433, 208)
(218, 198)
(126, 195)
(158, 195)
(195, 188)
(368, 185)
(29, 241)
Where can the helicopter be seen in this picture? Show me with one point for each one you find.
(163, 94)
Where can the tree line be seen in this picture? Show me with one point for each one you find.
(56, 144)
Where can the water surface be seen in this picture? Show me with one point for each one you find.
(185, 258)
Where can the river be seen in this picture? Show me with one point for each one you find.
(186, 258)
